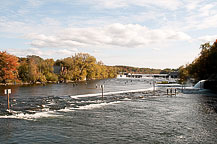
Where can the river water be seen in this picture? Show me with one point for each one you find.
(129, 112)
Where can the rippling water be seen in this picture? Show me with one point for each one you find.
(128, 113)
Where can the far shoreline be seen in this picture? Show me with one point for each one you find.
(44, 83)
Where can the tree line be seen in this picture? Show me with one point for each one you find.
(33, 69)
(204, 66)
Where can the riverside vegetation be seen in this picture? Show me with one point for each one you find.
(34, 69)
(204, 66)
(82, 66)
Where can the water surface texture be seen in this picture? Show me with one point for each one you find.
(129, 112)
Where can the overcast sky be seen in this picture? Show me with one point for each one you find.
(141, 33)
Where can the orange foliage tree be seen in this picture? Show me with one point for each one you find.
(8, 67)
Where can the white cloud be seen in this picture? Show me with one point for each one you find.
(12, 26)
(192, 5)
(29, 51)
(111, 4)
(34, 3)
(115, 34)
(34, 51)
(41, 41)
(208, 38)
(27, 26)
(198, 22)
(107, 26)
(201, 15)
(66, 52)
(44, 53)
(208, 22)
(50, 22)
(156, 49)
(164, 4)
(206, 9)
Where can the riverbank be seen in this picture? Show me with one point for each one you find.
(42, 83)
(26, 83)
(36, 83)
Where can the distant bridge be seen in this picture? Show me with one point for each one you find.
(129, 75)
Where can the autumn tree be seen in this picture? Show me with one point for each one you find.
(84, 66)
(8, 67)
(35, 69)
(32, 69)
(90, 68)
(205, 66)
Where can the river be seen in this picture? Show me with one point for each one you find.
(129, 112)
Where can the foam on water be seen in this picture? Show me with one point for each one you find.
(111, 93)
(47, 112)
(27, 116)
(126, 99)
(66, 109)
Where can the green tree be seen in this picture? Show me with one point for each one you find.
(23, 70)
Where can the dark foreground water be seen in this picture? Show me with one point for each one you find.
(76, 113)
